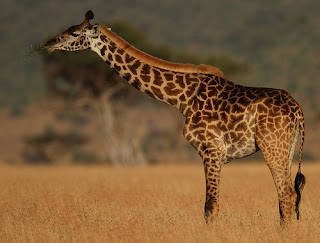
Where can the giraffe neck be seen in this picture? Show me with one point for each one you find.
(172, 83)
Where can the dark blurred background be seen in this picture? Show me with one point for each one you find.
(71, 108)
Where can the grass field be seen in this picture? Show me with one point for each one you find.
(151, 204)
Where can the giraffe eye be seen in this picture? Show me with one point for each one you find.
(74, 34)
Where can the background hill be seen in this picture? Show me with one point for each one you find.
(278, 40)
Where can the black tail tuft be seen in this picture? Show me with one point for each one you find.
(299, 183)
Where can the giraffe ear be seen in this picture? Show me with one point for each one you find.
(94, 31)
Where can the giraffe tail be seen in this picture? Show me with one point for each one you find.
(300, 179)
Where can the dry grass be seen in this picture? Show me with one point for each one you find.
(152, 204)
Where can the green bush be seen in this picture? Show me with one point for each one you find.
(50, 144)
(79, 155)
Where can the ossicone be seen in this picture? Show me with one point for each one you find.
(89, 15)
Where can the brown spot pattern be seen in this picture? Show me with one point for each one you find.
(223, 120)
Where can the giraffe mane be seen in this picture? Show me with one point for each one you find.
(157, 62)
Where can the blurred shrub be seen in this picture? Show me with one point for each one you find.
(73, 116)
(79, 155)
(306, 156)
(50, 135)
(16, 110)
(50, 145)
(36, 155)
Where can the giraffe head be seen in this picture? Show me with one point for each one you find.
(77, 37)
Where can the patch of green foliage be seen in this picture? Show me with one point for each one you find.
(81, 156)
(50, 135)
(39, 147)
(34, 51)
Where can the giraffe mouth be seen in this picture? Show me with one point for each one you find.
(49, 47)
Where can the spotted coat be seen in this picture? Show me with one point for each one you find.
(224, 121)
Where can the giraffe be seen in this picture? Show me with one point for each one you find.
(223, 120)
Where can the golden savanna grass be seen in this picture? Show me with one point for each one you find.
(151, 204)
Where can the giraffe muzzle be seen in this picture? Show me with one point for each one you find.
(51, 44)
(49, 49)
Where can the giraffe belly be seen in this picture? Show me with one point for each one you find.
(240, 146)
(234, 152)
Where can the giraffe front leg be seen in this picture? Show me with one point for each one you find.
(213, 156)
(213, 153)
(212, 168)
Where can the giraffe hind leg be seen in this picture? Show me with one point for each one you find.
(277, 155)
(286, 193)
